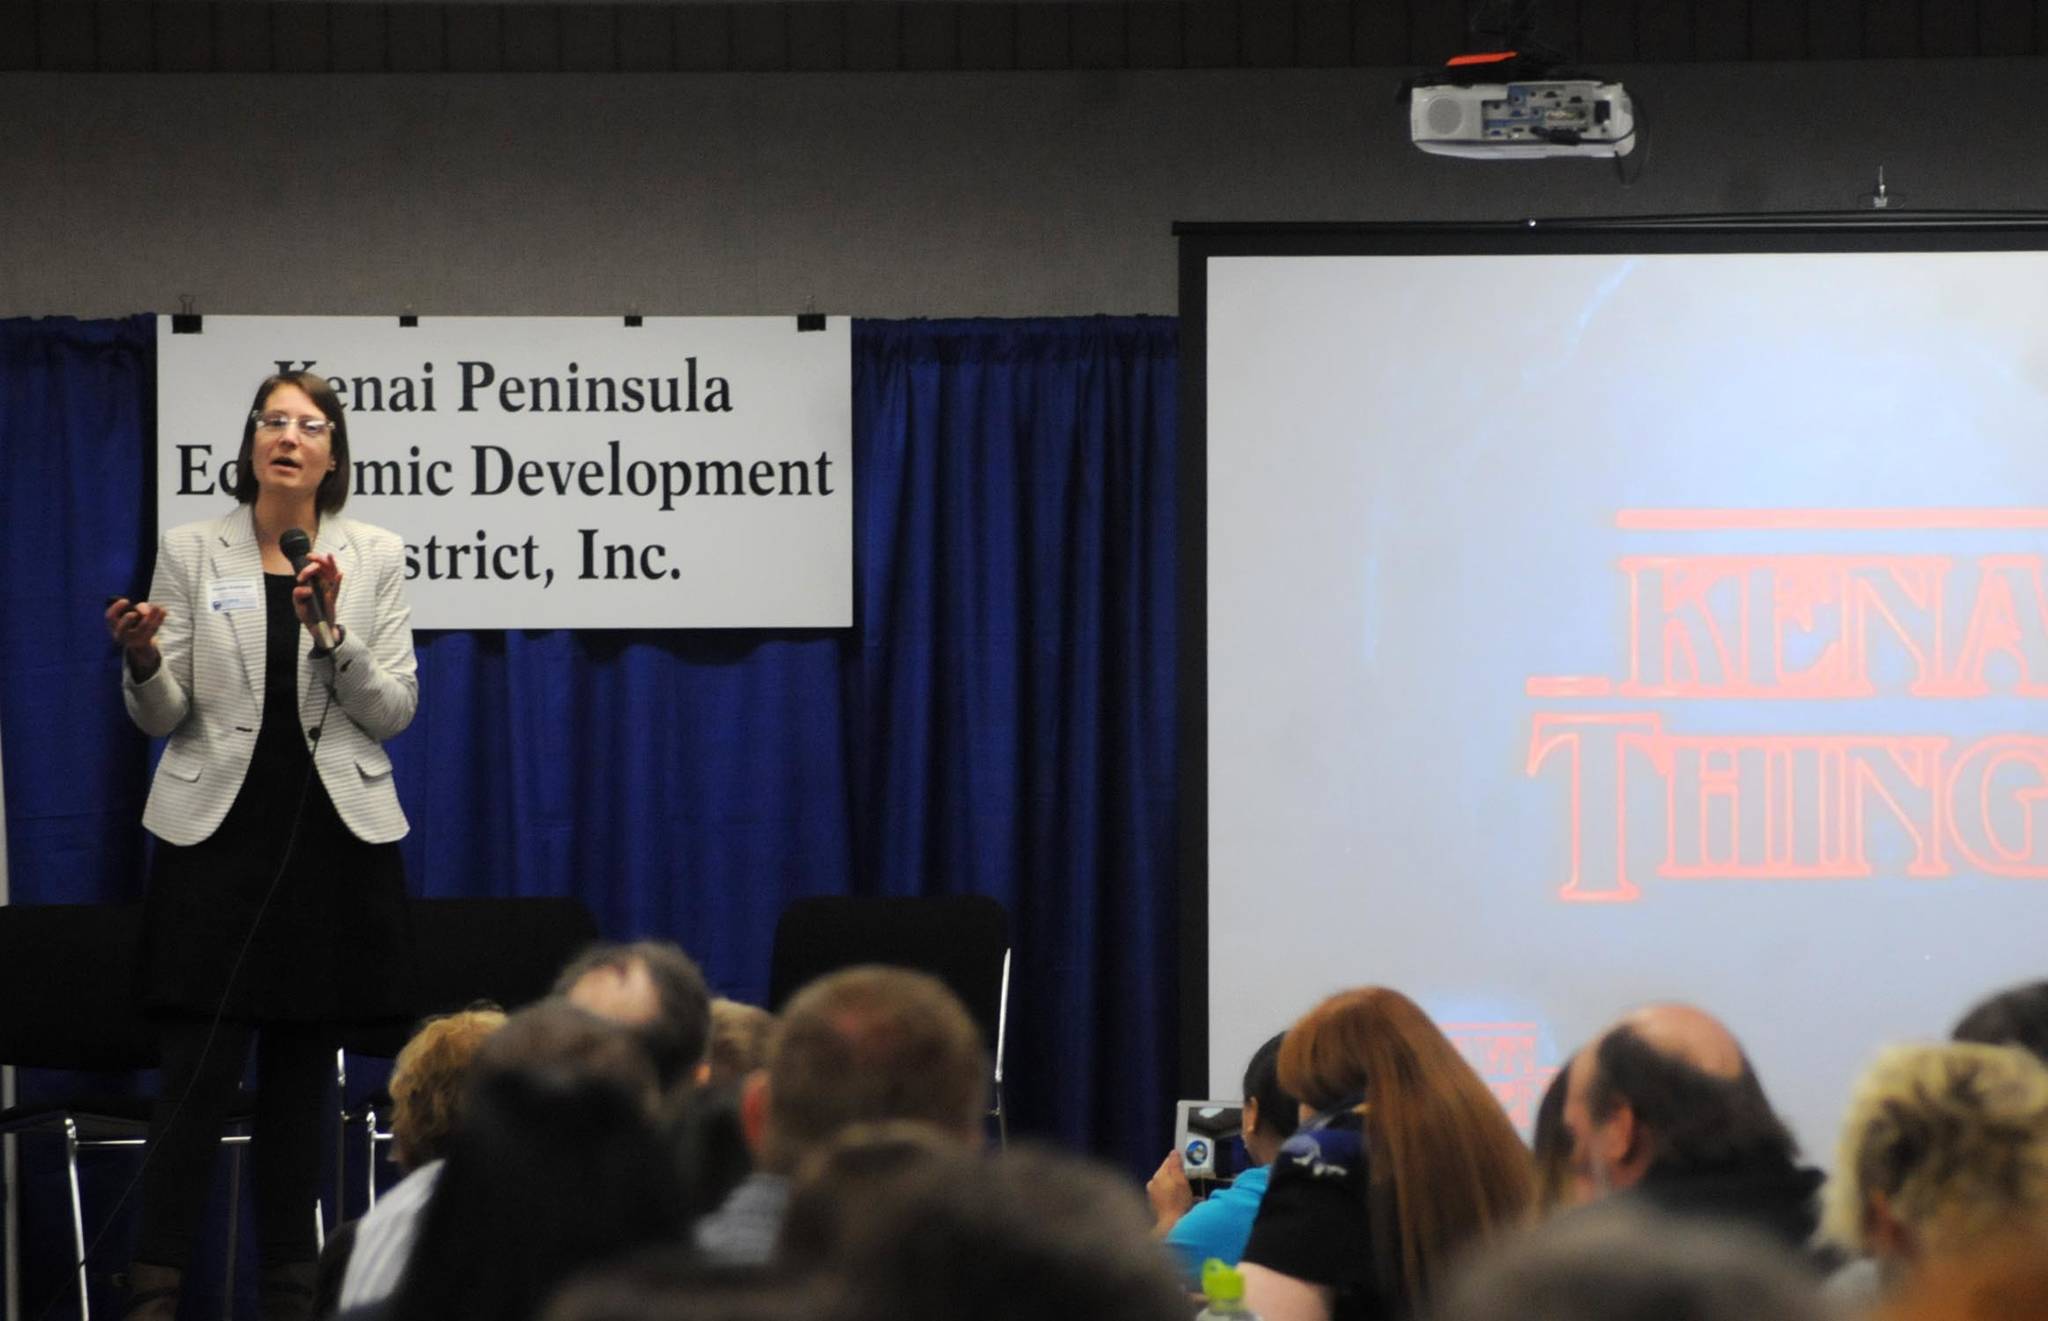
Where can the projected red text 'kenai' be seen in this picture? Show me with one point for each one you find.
(1760, 628)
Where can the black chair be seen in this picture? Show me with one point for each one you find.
(507, 951)
(963, 940)
(67, 1002)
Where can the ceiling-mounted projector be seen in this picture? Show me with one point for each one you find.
(1504, 105)
(1522, 120)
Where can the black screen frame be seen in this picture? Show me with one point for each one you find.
(1815, 232)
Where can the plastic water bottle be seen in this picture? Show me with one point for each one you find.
(1224, 1286)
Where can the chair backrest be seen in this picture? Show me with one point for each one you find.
(67, 988)
(505, 950)
(960, 939)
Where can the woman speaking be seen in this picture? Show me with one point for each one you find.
(276, 905)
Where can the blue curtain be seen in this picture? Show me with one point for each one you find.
(77, 405)
(999, 721)
(77, 411)
(1014, 725)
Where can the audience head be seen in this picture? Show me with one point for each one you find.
(706, 1121)
(2007, 1281)
(840, 1186)
(1270, 1114)
(2016, 1017)
(428, 1081)
(556, 1168)
(1019, 1236)
(866, 1045)
(741, 1035)
(1437, 1139)
(1945, 1148)
(710, 1141)
(674, 1284)
(553, 1037)
(1550, 1146)
(1669, 1090)
(1628, 1264)
(653, 988)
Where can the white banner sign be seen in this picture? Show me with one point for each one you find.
(558, 472)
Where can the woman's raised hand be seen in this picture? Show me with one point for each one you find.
(133, 626)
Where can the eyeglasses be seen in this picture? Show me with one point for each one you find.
(276, 424)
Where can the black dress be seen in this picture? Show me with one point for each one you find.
(331, 943)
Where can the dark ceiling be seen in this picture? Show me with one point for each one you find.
(241, 36)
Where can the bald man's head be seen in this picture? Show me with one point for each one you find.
(1667, 1089)
(656, 990)
(1690, 1035)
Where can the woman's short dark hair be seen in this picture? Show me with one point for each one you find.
(1279, 1113)
(333, 492)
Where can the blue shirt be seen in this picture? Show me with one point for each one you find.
(1220, 1225)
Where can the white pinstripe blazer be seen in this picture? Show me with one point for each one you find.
(208, 693)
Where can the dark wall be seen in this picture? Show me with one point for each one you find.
(878, 194)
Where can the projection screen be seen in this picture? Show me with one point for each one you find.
(1593, 614)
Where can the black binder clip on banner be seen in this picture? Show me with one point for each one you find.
(810, 318)
(185, 321)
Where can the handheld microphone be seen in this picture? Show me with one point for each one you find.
(296, 546)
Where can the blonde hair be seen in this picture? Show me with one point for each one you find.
(741, 1037)
(1955, 1138)
(428, 1079)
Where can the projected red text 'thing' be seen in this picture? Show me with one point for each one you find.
(1761, 629)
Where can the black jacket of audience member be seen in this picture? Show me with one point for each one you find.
(1776, 1197)
(1314, 1222)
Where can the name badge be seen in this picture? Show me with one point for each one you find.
(233, 594)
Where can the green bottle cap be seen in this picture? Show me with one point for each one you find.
(1223, 1284)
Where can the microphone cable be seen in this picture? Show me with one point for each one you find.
(76, 1273)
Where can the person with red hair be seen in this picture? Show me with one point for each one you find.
(1404, 1160)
